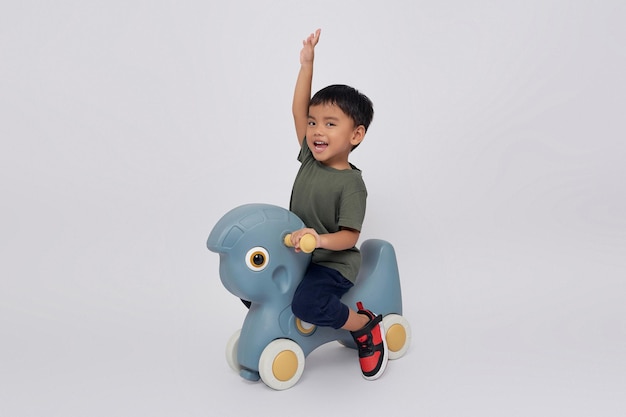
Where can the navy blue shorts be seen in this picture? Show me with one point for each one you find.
(318, 297)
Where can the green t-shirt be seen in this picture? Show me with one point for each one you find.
(327, 199)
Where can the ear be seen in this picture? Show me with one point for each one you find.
(358, 135)
(281, 279)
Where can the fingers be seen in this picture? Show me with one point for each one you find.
(296, 237)
(316, 37)
(313, 38)
(295, 241)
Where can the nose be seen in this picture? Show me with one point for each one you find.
(316, 130)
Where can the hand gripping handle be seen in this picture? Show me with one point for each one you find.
(307, 242)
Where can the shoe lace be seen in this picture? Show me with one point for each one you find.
(365, 344)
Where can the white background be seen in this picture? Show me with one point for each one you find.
(495, 165)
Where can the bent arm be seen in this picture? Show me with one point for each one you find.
(342, 240)
(302, 93)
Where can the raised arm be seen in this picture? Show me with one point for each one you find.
(302, 93)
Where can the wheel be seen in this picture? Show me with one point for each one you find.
(397, 334)
(231, 351)
(281, 364)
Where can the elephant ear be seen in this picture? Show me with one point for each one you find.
(281, 279)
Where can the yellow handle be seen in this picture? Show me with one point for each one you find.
(307, 242)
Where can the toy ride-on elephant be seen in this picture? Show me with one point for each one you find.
(256, 265)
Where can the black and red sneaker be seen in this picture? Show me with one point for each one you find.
(371, 343)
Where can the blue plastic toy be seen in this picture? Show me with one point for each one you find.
(256, 265)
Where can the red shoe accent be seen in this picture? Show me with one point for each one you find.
(372, 346)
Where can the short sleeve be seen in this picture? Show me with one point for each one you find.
(352, 210)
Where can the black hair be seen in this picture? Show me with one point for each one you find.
(352, 102)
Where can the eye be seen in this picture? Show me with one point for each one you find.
(311, 123)
(257, 258)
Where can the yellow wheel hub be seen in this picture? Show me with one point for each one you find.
(396, 337)
(285, 365)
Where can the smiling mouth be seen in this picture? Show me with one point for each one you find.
(319, 145)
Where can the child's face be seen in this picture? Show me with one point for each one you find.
(331, 135)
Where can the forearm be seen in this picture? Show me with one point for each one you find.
(301, 98)
(341, 240)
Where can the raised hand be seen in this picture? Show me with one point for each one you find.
(307, 53)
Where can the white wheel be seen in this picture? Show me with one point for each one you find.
(231, 351)
(397, 334)
(281, 364)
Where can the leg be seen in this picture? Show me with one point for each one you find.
(355, 321)
(317, 299)
(371, 343)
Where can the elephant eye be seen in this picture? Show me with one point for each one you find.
(257, 258)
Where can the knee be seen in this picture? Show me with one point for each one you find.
(303, 308)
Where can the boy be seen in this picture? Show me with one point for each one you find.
(329, 196)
